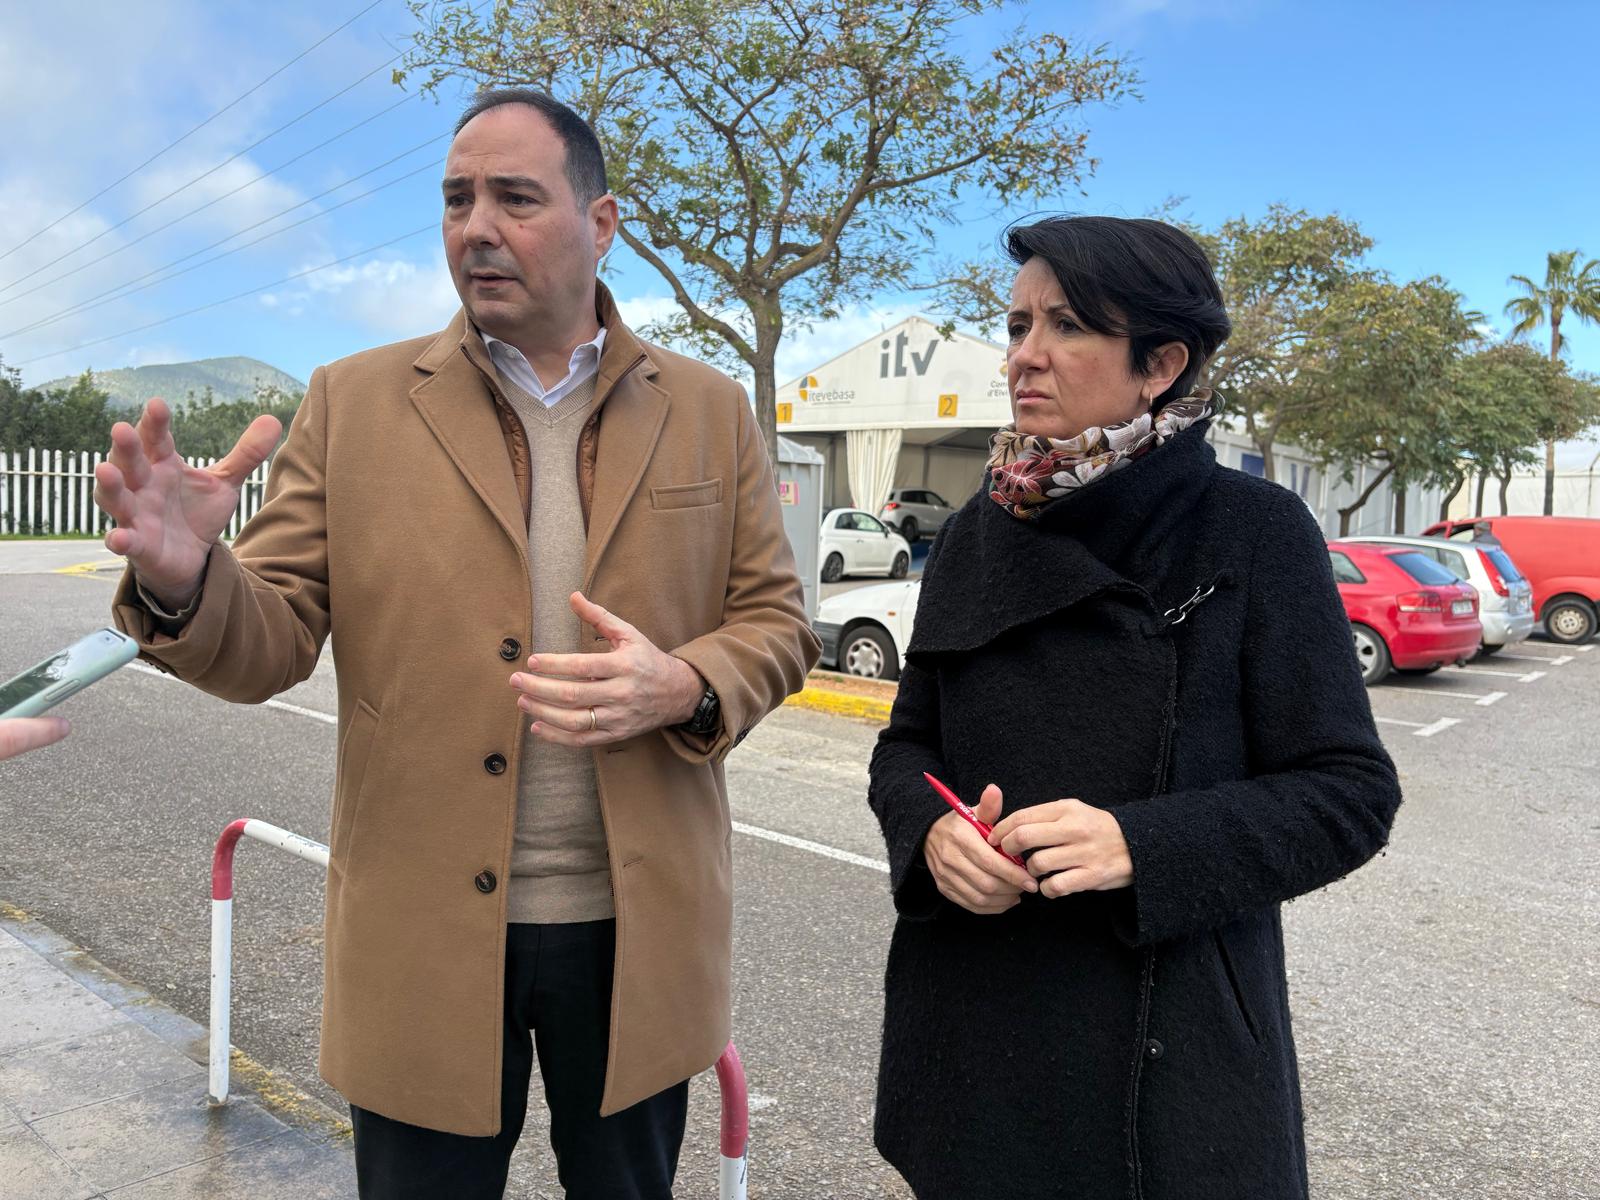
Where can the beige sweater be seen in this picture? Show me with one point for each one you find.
(559, 870)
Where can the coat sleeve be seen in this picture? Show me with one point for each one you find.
(1323, 791)
(263, 610)
(905, 805)
(765, 646)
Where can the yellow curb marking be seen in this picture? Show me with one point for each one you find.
(89, 568)
(10, 912)
(278, 1093)
(841, 704)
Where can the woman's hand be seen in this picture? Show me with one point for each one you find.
(1075, 847)
(966, 869)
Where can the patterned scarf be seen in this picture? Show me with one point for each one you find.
(1026, 473)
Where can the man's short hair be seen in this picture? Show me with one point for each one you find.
(586, 164)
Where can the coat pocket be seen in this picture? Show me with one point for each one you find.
(351, 774)
(687, 495)
(1235, 987)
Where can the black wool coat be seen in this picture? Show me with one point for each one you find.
(1168, 644)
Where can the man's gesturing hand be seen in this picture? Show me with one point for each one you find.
(168, 513)
(965, 867)
(632, 689)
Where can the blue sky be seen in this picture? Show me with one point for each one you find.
(1461, 137)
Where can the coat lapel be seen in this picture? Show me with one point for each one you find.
(455, 403)
(631, 420)
(1109, 538)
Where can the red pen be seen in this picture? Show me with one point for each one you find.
(967, 815)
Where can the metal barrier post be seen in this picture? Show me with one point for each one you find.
(222, 930)
(735, 1132)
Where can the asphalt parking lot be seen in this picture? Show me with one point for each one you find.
(1446, 997)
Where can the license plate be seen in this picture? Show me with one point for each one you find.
(1461, 608)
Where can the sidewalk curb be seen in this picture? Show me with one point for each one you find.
(841, 704)
(274, 1093)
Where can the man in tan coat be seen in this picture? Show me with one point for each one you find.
(553, 564)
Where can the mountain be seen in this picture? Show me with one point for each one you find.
(228, 378)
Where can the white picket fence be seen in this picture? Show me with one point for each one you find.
(48, 492)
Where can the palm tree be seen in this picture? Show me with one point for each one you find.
(1566, 290)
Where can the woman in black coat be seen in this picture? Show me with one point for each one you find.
(1139, 663)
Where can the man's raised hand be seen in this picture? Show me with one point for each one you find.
(168, 513)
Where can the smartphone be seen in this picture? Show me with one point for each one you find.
(66, 671)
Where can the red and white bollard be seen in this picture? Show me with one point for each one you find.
(735, 1139)
(731, 1183)
(222, 930)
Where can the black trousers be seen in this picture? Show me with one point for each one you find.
(558, 1004)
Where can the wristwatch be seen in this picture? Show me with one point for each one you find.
(707, 714)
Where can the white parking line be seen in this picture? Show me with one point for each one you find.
(1418, 728)
(1582, 649)
(1561, 661)
(1519, 676)
(783, 839)
(1481, 699)
(325, 718)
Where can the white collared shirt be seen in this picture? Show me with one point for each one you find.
(583, 366)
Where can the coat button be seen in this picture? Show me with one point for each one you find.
(495, 764)
(510, 649)
(1154, 1049)
(484, 881)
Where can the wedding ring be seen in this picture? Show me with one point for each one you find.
(594, 721)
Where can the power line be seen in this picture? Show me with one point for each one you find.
(192, 132)
(206, 174)
(98, 301)
(215, 200)
(430, 227)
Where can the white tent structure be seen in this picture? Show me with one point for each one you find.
(908, 409)
(904, 409)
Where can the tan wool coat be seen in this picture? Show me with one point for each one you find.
(394, 523)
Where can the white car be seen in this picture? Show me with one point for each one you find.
(915, 512)
(1505, 598)
(855, 542)
(865, 631)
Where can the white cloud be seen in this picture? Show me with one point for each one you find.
(393, 297)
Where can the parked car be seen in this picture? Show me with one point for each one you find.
(1505, 598)
(1407, 613)
(915, 511)
(865, 631)
(1560, 556)
(855, 542)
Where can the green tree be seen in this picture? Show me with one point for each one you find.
(1567, 289)
(778, 161)
(1278, 275)
(1498, 396)
(205, 427)
(71, 420)
(1380, 385)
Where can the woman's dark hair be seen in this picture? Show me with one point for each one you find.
(586, 165)
(1143, 280)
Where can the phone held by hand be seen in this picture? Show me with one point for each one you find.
(65, 672)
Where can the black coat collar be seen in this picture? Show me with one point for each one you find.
(993, 572)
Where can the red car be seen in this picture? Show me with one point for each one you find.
(1559, 555)
(1407, 613)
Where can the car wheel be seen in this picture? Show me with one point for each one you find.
(867, 652)
(909, 529)
(1371, 653)
(1569, 620)
(902, 564)
(832, 567)
(1485, 650)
